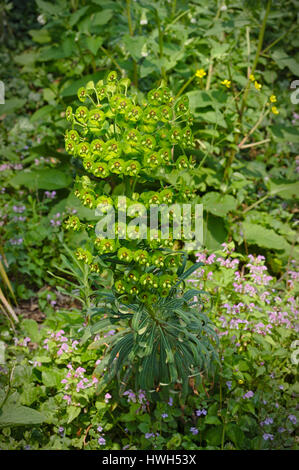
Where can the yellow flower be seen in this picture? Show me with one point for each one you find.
(227, 83)
(240, 381)
(274, 110)
(251, 77)
(200, 73)
(257, 85)
(273, 99)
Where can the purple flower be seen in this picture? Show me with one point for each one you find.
(170, 402)
(229, 384)
(201, 412)
(267, 421)
(281, 429)
(67, 398)
(100, 429)
(164, 415)
(101, 441)
(249, 394)
(131, 396)
(50, 194)
(267, 436)
(107, 397)
(293, 419)
(194, 431)
(148, 435)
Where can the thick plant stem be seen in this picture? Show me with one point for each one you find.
(257, 55)
(161, 52)
(131, 32)
(186, 84)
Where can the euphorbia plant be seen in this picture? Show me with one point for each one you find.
(127, 146)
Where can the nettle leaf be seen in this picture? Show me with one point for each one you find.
(134, 45)
(47, 178)
(283, 60)
(17, 415)
(219, 204)
(263, 237)
(284, 190)
(215, 232)
(42, 113)
(102, 17)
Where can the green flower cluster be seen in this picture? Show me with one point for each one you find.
(122, 140)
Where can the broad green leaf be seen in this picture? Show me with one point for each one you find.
(42, 179)
(42, 113)
(263, 237)
(12, 105)
(219, 204)
(17, 415)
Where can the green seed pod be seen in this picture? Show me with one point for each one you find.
(84, 255)
(117, 166)
(133, 113)
(100, 169)
(132, 137)
(165, 281)
(182, 163)
(152, 160)
(101, 90)
(97, 147)
(166, 196)
(82, 114)
(73, 136)
(73, 223)
(96, 117)
(113, 148)
(166, 113)
(120, 286)
(81, 93)
(89, 201)
(94, 268)
(142, 257)
(175, 135)
(69, 113)
(83, 149)
(132, 168)
(70, 147)
(88, 164)
(132, 276)
(165, 155)
(151, 115)
(182, 106)
(187, 137)
(158, 260)
(125, 254)
(112, 77)
(147, 279)
(148, 143)
(166, 95)
(107, 246)
(105, 202)
(155, 97)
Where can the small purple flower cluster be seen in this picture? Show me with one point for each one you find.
(50, 194)
(60, 342)
(15, 241)
(10, 166)
(252, 281)
(56, 221)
